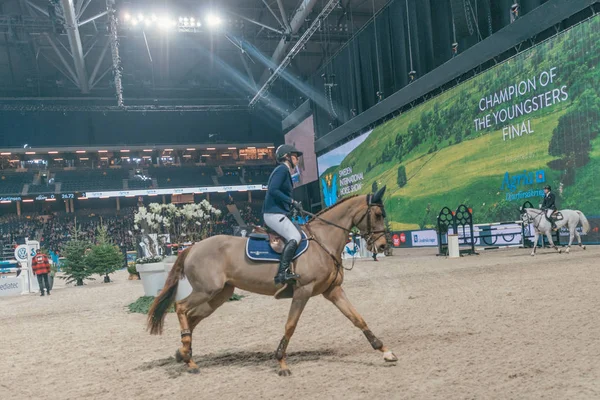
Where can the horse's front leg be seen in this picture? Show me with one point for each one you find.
(536, 236)
(301, 296)
(338, 297)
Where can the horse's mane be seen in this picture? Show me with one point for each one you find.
(345, 199)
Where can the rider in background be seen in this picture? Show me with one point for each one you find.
(277, 206)
(549, 205)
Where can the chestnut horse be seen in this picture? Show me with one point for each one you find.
(215, 266)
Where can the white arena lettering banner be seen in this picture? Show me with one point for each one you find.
(190, 190)
(10, 286)
(424, 238)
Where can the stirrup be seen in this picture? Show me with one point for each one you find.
(286, 277)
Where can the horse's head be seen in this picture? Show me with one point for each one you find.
(370, 221)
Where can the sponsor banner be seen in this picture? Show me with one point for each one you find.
(425, 238)
(10, 286)
(401, 239)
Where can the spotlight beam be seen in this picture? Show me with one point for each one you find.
(95, 17)
(294, 51)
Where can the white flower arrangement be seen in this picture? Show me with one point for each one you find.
(194, 218)
(149, 260)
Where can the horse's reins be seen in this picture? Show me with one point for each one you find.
(530, 220)
(369, 232)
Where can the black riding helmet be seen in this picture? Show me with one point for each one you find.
(285, 150)
(548, 187)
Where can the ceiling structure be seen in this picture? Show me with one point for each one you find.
(62, 52)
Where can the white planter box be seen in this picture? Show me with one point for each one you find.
(153, 277)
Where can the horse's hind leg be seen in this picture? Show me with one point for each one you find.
(338, 297)
(571, 236)
(551, 242)
(579, 239)
(190, 312)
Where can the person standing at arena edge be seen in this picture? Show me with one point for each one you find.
(278, 204)
(41, 268)
(549, 205)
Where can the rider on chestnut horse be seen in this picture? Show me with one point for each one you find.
(277, 206)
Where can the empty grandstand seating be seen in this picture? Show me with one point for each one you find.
(230, 178)
(182, 176)
(12, 182)
(139, 184)
(91, 179)
(255, 176)
(42, 188)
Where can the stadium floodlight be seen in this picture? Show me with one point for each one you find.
(140, 17)
(165, 23)
(126, 17)
(213, 20)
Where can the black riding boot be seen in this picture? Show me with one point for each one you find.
(284, 275)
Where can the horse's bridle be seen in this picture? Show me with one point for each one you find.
(532, 221)
(369, 234)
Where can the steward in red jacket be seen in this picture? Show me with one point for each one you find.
(41, 268)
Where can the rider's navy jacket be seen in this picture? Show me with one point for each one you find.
(549, 201)
(279, 191)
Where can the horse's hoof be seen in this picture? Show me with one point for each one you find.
(560, 251)
(583, 247)
(284, 372)
(567, 251)
(178, 356)
(532, 254)
(193, 370)
(388, 356)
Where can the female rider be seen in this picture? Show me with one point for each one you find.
(278, 204)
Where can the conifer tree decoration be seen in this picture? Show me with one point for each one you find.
(104, 258)
(74, 265)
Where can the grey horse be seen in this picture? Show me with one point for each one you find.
(570, 219)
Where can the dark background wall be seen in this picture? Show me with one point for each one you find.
(96, 128)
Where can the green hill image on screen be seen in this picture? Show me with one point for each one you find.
(494, 141)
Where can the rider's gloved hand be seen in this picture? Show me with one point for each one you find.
(297, 205)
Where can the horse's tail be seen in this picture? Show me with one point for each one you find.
(166, 297)
(584, 222)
